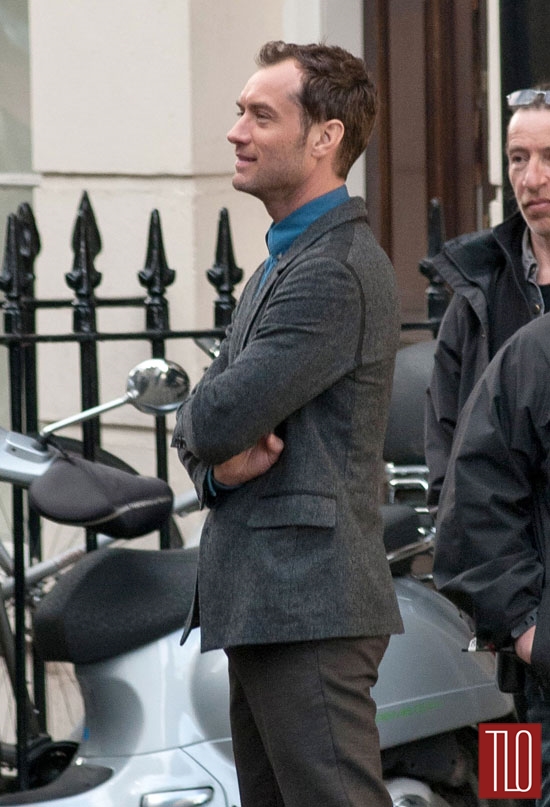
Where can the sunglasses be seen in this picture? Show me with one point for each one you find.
(528, 97)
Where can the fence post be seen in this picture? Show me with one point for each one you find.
(436, 293)
(225, 274)
(29, 247)
(83, 279)
(155, 277)
(14, 281)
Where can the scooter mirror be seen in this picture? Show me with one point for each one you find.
(157, 386)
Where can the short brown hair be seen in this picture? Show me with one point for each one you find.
(335, 84)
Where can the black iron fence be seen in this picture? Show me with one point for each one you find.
(17, 282)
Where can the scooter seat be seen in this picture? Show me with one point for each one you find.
(113, 601)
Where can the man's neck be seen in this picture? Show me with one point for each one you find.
(279, 209)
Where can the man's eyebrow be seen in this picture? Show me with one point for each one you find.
(256, 106)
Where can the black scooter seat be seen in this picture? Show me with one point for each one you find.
(113, 601)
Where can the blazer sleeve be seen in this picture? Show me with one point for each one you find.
(196, 468)
(309, 336)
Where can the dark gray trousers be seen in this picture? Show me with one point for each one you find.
(303, 723)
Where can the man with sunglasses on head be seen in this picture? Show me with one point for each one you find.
(489, 474)
(500, 279)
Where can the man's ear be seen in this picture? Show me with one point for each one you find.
(329, 136)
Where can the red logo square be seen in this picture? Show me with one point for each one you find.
(510, 760)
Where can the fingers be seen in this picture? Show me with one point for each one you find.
(274, 444)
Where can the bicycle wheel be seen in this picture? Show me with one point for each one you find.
(64, 708)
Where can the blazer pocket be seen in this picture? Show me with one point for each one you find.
(294, 510)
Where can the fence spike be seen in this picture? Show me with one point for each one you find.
(85, 211)
(15, 279)
(156, 275)
(83, 278)
(225, 274)
(437, 294)
(30, 242)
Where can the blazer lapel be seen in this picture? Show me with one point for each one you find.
(253, 305)
(353, 208)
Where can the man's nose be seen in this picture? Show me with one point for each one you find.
(238, 132)
(536, 173)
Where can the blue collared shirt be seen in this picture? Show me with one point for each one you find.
(282, 235)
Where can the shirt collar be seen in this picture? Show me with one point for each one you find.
(281, 235)
(530, 266)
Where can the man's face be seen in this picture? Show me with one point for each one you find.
(528, 150)
(273, 153)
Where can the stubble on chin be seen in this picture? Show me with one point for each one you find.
(238, 182)
(539, 225)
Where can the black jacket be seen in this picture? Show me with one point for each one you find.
(493, 523)
(491, 300)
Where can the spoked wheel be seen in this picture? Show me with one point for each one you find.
(64, 706)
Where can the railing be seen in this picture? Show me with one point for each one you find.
(437, 295)
(21, 339)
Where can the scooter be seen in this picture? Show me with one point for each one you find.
(156, 730)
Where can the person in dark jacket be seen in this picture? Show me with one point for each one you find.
(493, 527)
(500, 280)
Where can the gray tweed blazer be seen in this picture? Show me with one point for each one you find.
(297, 554)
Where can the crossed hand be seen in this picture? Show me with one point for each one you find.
(250, 463)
